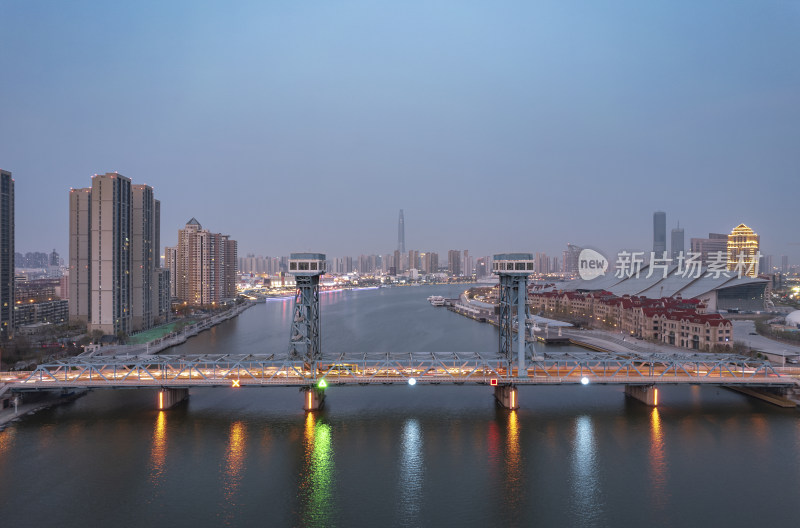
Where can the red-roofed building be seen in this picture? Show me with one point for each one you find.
(670, 320)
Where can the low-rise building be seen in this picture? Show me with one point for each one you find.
(679, 322)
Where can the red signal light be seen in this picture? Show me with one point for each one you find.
(493, 382)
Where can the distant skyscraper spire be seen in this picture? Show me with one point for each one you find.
(401, 234)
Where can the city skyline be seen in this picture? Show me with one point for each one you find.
(691, 102)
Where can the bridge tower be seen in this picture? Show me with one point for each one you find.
(304, 339)
(513, 270)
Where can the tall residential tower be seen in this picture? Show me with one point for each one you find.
(205, 266)
(6, 255)
(114, 269)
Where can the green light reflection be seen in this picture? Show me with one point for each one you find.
(319, 474)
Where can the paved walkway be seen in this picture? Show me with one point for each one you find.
(11, 414)
(742, 333)
(619, 343)
(775, 351)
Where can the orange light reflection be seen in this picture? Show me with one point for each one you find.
(658, 461)
(158, 453)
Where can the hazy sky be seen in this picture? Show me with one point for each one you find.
(496, 125)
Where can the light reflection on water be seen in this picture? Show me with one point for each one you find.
(514, 489)
(7, 439)
(412, 474)
(658, 462)
(587, 504)
(158, 453)
(318, 477)
(234, 461)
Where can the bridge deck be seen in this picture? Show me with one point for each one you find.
(375, 369)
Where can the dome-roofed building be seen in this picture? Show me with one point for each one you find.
(793, 319)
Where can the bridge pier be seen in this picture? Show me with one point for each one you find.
(313, 398)
(506, 396)
(647, 394)
(169, 398)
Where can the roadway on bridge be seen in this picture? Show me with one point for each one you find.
(565, 368)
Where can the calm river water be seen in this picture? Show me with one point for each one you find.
(398, 455)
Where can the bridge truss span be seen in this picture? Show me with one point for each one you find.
(169, 371)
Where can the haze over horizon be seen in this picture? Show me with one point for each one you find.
(496, 127)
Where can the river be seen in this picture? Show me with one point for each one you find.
(398, 455)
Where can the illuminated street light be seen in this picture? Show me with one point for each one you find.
(412, 381)
(584, 380)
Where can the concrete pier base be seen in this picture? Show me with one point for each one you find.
(506, 396)
(313, 398)
(168, 398)
(647, 394)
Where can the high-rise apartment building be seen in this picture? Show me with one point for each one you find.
(387, 262)
(677, 243)
(110, 254)
(659, 233)
(541, 263)
(784, 264)
(429, 262)
(483, 267)
(6, 255)
(80, 272)
(144, 257)
(114, 256)
(569, 259)
(413, 259)
(454, 263)
(765, 264)
(205, 266)
(743, 250)
(171, 265)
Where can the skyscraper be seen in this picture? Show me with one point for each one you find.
(677, 243)
(659, 233)
(401, 236)
(6, 255)
(743, 248)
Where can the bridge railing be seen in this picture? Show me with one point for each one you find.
(425, 368)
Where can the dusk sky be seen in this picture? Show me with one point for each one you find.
(496, 126)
